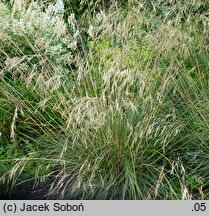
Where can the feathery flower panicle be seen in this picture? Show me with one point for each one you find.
(57, 9)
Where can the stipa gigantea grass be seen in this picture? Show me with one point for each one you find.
(126, 123)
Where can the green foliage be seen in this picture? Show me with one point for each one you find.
(105, 104)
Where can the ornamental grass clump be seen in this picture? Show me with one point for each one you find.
(116, 108)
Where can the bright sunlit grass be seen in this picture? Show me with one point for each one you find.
(109, 101)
